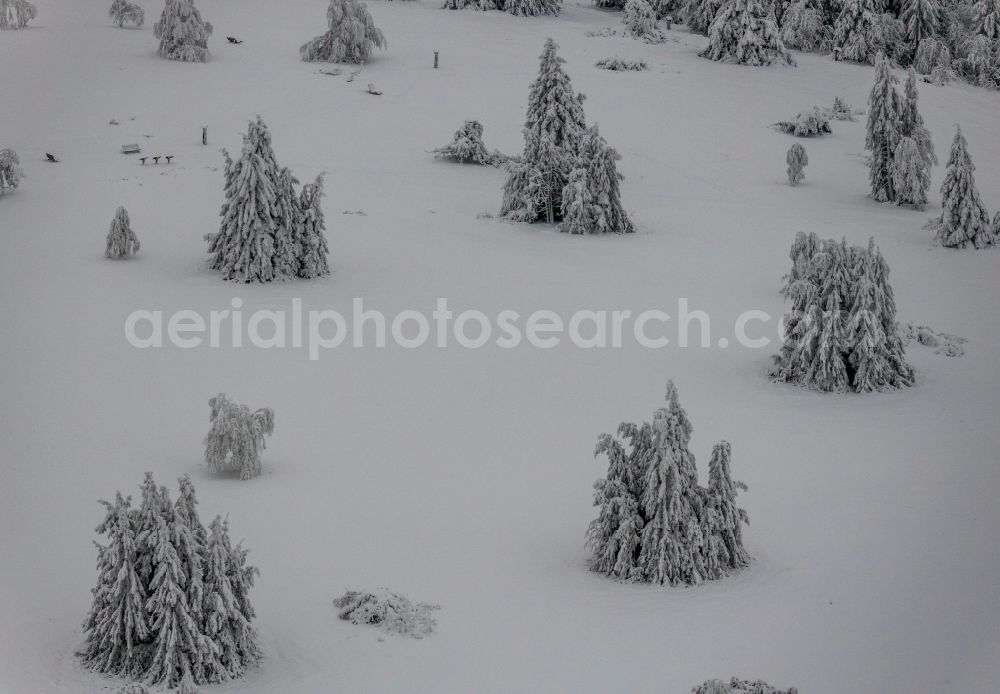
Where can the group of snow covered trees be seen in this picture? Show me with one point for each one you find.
(10, 170)
(236, 436)
(520, 8)
(901, 152)
(268, 231)
(351, 35)
(841, 332)
(183, 34)
(567, 173)
(655, 523)
(172, 602)
(15, 14)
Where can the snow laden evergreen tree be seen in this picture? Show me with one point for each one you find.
(314, 249)
(123, 12)
(964, 220)
(655, 523)
(10, 170)
(803, 28)
(912, 123)
(743, 32)
(350, 38)
(171, 607)
(591, 200)
(236, 436)
(988, 19)
(640, 22)
(467, 145)
(885, 111)
(996, 227)
(532, 8)
(921, 19)
(182, 33)
(698, 14)
(796, 160)
(15, 14)
(553, 129)
(840, 294)
(122, 241)
(856, 33)
(910, 175)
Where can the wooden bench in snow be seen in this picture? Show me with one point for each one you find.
(130, 149)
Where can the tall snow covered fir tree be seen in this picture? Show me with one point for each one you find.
(236, 436)
(744, 32)
(885, 110)
(15, 14)
(171, 606)
(123, 12)
(796, 159)
(861, 32)
(350, 38)
(10, 170)
(553, 128)
(910, 174)
(841, 332)
(122, 241)
(912, 123)
(182, 33)
(640, 22)
(591, 200)
(312, 261)
(803, 29)
(655, 523)
(964, 220)
(921, 19)
(698, 14)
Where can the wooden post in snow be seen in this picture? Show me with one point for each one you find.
(435, 60)
(204, 134)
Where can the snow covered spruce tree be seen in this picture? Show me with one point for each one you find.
(553, 129)
(743, 32)
(122, 241)
(640, 22)
(841, 332)
(885, 110)
(171, 606)
(698, 14)
(858, 32)
(467, 145)
(350, 38)
(803, 29)
(15, 14)
(655, 523)
(910, 175)
(591, 200)
(532, 8)
(912, 123)
(921, 19)
(123, 12)
(796, 159)
(236, 436)
(964, 220)
(314, 249)
(182, 33)
(10, 170)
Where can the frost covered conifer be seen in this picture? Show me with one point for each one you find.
(920, 17)
(996, 227)
(964, 220)
(122, 241)
(698, 14)
(591, 200)
(912, 123)
(467, 145)
(640, 22)
(15, 14)
(885, 110)
(857, 32)
(10, 170)
(182, 33)
(655, 523)
(288, 226)
(314, 249)
(796, 160)
(236, 436)
(910, 175)
(803, 28)
(350, 38)
(532, 8)
(988, 19)
(932, 55)
(553, 129)
(123, 12)
(743, 32)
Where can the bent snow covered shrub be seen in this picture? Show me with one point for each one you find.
(467, 145)
(391, 612)
(738, 686)
(350, 38)
(236, 437)
(122, 241)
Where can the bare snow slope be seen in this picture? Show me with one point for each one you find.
(464, 477)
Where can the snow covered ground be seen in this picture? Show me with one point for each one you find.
(463, 477)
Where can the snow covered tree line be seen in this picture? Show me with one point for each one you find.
(15, 14)
(268, 231)
(172, 602)
(10, 170)
(351, 35)
(183, 34)
(122, 241)
(519, 8)
(567, 172)
(745, 32)
(796, 159)
(964, 220)
(236, 436)
(123, 12)
(655, 523)
(841, 333)
(901, 152)
(467, 145)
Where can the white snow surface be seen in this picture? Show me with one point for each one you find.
(466, 474)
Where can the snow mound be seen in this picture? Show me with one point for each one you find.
(738, 686)
(942, 343)
(391, 612)
(617, 64)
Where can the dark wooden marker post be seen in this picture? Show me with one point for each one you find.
(204, 135)
(435, 60)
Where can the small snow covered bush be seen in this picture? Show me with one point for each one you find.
(10, 170)
(809, 123)
(123, 12)
(350, 38)
(964, 220)
(841, 110)
(236, 436)
(473, 5)
(182, 33)
(738, 686)
(796, 160)
(467, 145)
(617, 64)
(15, 14)
(122, 241)
(391, 612)
(655, 523)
